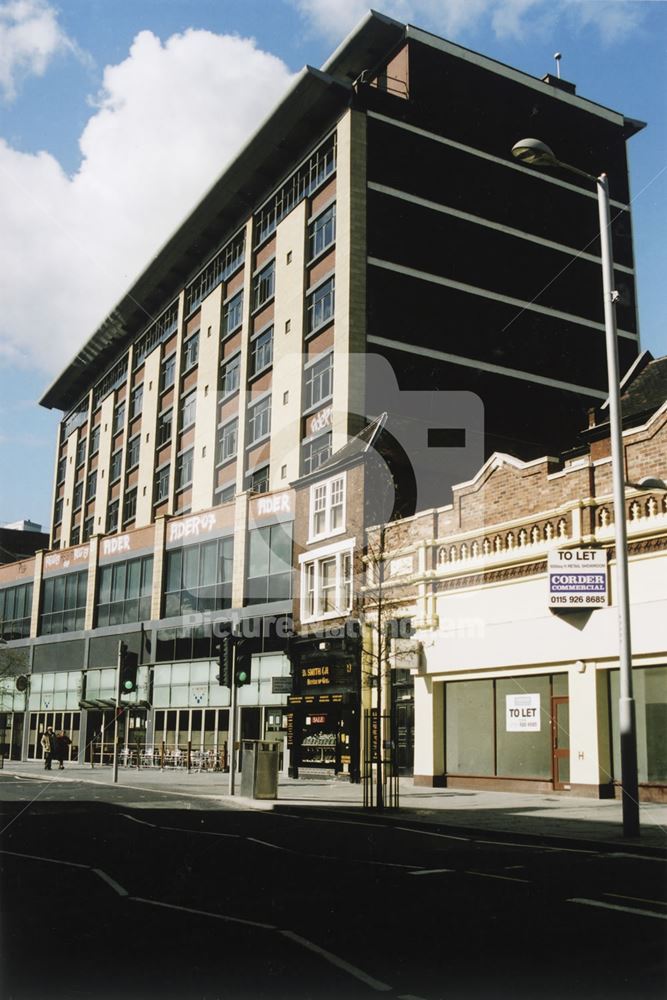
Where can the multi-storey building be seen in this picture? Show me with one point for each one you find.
(377, 210)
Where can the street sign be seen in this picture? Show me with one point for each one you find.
(578, 578)
(281, 685)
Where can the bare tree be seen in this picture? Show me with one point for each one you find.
(375, 607)
(13, 662)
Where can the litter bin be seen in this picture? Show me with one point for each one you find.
(259, 777)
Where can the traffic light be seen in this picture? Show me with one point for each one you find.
(225, 654)
(243, 662)
(129, 664)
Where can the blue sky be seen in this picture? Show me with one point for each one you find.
(114, 119)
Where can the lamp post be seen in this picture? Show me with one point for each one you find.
(536, 153)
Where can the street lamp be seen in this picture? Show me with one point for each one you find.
(649, 483)
(536, 153)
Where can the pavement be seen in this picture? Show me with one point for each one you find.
(550, 816)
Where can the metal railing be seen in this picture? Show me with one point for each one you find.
(161, 756)
(379, 751)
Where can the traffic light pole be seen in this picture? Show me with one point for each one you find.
(116, 719)
(232, 724)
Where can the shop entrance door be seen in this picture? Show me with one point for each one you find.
(560, 741)
(405, 736)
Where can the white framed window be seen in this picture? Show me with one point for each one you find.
(326, 582)
(327, 508)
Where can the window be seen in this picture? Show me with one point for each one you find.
(162, 484)
(258, 481)
(327, 584)
(313, 172)
(189, 409)
(62, 470)
(327, 507)
(124, 591)
(318, 381)
(112, 516)
(232, 315)
(269, 564)
(118, 418)
(316, 453)
(263, 285)
(133, 452)
(199, 577)
(261, 349)
(164, 428)
(157, 333)
(15, 612)
(81, 452)
(78, 496)
(75, 535)
(221, 267)
(184, 469)
(225, 494)
(191, 351)
(136, 401)
(116, 465)
(130, 506)
(63, 603)
(58, 512)
(88, 528)
(259, 420)
(168, 373)
(320, 305)
(322, 232)
(230, 375)
(91, 487)
(227, 441)
(95, 440)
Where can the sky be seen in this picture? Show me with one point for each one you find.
(115, 117)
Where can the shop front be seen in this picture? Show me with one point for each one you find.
(54, 703)
(508, 732)
(12, 718)
(323, 714)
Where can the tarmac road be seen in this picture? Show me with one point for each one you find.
(126, 892)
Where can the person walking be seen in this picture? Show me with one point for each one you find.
(48, 746)
(62, 743)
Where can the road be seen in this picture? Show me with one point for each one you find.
(119, 892)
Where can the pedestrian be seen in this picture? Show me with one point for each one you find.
(62, 743)
(48, 746)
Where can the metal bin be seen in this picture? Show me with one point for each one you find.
(259, 777)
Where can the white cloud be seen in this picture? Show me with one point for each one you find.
(614, 19)
(167, 120)
(30, 37)
(456, 18)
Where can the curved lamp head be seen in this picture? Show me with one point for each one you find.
(652, 483)
(534, 152)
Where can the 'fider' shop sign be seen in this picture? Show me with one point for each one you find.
(578, 578)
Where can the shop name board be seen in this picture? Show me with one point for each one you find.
(58, 560)
(279, 504)
(114, 546)
(578, 578)
(197, 525)
(315, 677)
(321, 420)
(318, 699)
(326, 675)
(522, 713)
